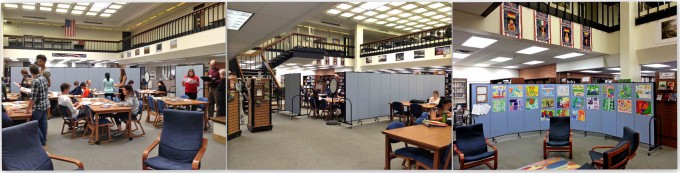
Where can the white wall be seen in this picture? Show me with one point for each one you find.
(481, 74)
(31, 54)
(58, 32)
(211, 37)
(408, 58)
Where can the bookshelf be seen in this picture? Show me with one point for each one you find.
(541, 81)
(508, 81)
(459, 86)
(666, 107)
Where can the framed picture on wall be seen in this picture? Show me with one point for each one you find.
(129, 54)
(136, 52)
(419, 54)
(159, 47)
(336, 41)
(567, 34)
(147, 50)
(382, 58)
(173, 44)
(442, 51)
(369, 60)
(511, 20)
(399, 56)
(542, 33)
(667, 31)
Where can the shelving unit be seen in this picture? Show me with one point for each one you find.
(308, 82)
(341, 81)
(666, 111)
(508, 81)
(541, 81)
(459, 90)
(448, 85)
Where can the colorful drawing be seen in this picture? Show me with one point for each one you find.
(532, 103)
(546, 114)
(516, 91)
(577, 103)
(643, 107)
(577, 89)
(562, 90)
(593, 103)
(548, 91)
(563, 102)
(563, 112)
(548, 103)
(516, 104)
(608, 104)
(498, 92)
(593, 90)
(532, 91)
(498, 105)
(625, 106)
(643, 91)
(625, 91)
(578, 115)
(609, 91)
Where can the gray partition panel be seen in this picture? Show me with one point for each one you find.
(374, 92)
(385, 94)
(352, 93)
(133, 74)
(292, 89)
(97, 76)
(363, 101)
(420, 87)
(15, 77)
(58, 76)
(412, 87)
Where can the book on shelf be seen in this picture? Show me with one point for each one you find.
(671, 86)
(663, 85)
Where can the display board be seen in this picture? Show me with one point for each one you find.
(292, 89)
(69, 75)
(599, 108)
(182, 71)
(370, 93)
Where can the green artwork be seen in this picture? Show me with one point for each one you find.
(516, 91)
(563, 102)
(577, 90)
(532, 103)
(563, 112)
(499, 105)
(593, 90)
(577, 102)
(625, 91)
(608, 104)
(548, 103)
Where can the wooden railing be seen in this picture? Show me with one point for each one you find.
(428, 38)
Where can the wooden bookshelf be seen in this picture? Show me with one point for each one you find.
(259, 116)
(459, 86)
(541, 81)
(508, 81)
(666, 112)
(233, 126)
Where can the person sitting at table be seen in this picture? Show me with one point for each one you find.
(65, 100)
(77, 90)
(444, 106)
(130, 101)
(435, 98)
(86, 89)
(161, 87)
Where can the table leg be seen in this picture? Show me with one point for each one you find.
(129, 128)
(96, 128)
(436, 160)
(387, 153)
(391, 112)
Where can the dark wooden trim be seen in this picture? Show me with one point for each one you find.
(234, 135)
(672, 11)
(491, 8)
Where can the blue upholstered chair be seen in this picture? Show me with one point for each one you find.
(471, 147)
(558, 138)
(616, 157)
(629, 135)
(181, 143)
(422, 117)
(136, 121)
(203, 99)
(397, 110)
(116, 99)
(152, 109)
(22, 150)
(108, 98)
(407, 153)
(416, 110)
(426, 159)
(160, 108)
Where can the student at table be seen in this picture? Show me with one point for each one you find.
(444, 106)
(121, 83)
(190, 84)
(65, 100)
(86, 89)
(435, 98)
(130, 101)
(108, 86)
(39, 102)
(78, 90)
(161, 87)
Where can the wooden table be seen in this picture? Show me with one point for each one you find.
(553, 163)
(144, 94)
(16, 113)
(99, 93)
(12, 97)
(110, 110)
(432, 138)
(188, 102)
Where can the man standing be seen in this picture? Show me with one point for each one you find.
(213, 94)
(41, 60)
(39, 101)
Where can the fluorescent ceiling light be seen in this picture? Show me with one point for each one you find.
(372, 5)
(405, 14)
(429, 13)
(616, 73)
(436, 67)
(83, 3)
(249, 62)
(419, 10)
(392, 19)
(28, 7)
(478, 42)
(371, 20)
(656, 65)
(408, 6)
(333, 11)
(45, 8)
(63, 6)
(590, 71)
(445, 9)
(445, 19)
(62, 10)
(569, 55)
(236, 19)
(411, 23)
(344, 6)
(405, 71)
(359, 17)
(11, 6)
(533, 62)
(614, 69)
(424, 3)
(46, 4)
(383, 8)
(398, 69)
(647, 71)
(429, 27)
(416, 68)
(439, 25)
(346, 15)
(379, 22)
(460, 55)
(675, 69)
(532, 50)
(407, 29)
(393, 12)
(424, 20)
(432, 23)
(77, 12)
(114, 6)
(415, 17)
(481, 65)
(109, 11)
(435, 5)
(420, 26)
(500, 59)
(390, 24)
(357, 10)
(402, 21)
(370, 13)
(291, 64)
(415, 30)
(105, 15)
(440, 16)
(396, 3)
(400, 26)
(28, 3)
(510, 67)
(91, 13)
(97, 6)
(382, 16)
(79, 7)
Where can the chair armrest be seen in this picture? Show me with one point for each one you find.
(197, 160)
(461, 156)
(66, 159)
(601, 147)
(545, 139)
(148, 149)
(492, 146)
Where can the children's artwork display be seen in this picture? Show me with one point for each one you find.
(481, 90)
(563, 112)
(577, 90)
(608, 104)
(643, 107)
(563, 102)
(498, 92)
(625, 91)
(548, 103)
(546, 114)
(593, 103)
(625, 106)
(593, 90)
(548, 91)
(516, 91)
(532, 91)
(643, 91)
(563, 90)
(609, 91)
(578, 115)
(532, 103)
(516, 104)
(498, 105)
(577, 103)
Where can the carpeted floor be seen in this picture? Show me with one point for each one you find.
(120, 154)
(514, 153)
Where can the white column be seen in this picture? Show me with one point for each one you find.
(358, 40)
(630, 67)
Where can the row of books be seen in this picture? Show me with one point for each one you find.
(667, 97)
(665, 85)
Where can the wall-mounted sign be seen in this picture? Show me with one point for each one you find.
(511, 17)
(542, 33)
(173, 44)
(69, 55)
(585, 38)
(667, 75)
(567, 34)
(667, 31)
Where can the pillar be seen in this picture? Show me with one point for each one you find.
(358, 40)
(630, 67)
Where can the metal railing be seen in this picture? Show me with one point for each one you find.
(652, 11)
(428, 38)
(48, 43)
(257, 59)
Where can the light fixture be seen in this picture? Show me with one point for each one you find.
(395, 3)
(76, 12)
(98, 6)
(308, 65)
(79, 7)
(614, 69)
(291, 64)
(417, 68)
(236, 19)
(478, 42)
(357, 10)
(379, 22)
(428, 27)
(590, 71)
(249, 62)
(424, 3)
(481, 65)
(344, 6)
(91, 13)
(333, 11)
(392, 19)
(616, 73)
(439, 25)
(46, 4)
(436, 67)
(405, 71)
(398, 69)
(440, 16)
(83, 3)
(109, 11)
(532, 50)
(569, 55)
(675, 69)
(394, 12)
(28, 7)
(371, 20)
(656, 65)
(408, 29)
(432, 23)
(372, 5)
(382, 16)
(435, 5)
(347, 15)
(45, 8)
(383, 8)
(647, 71)
(115, 6)
(415, 17)
(512, 66)
(419, 26)
(445, 9)
(11, 6)
(28, 3)
(459, 55)
(429, 13)
(408, 6)
(400, 26)
(419, 10)
(411, 23)
(500, 59)
(370, 13)
(63, 6)
(105, 15)
(533, 62)
(390, 24)
(359, 17)
(405, 14)
(424, 20)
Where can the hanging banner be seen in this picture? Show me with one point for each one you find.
(585, 38)
(567, 34)
(511, 17)
(69, 55)
(542, 33)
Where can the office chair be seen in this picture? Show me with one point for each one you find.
(629, 135)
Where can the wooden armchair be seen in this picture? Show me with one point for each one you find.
(471, 147)
(182, 143)
(559, 137)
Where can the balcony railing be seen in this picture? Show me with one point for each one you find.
(652, 11)
(203, 19)
(423, 39)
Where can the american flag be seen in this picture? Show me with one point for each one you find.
(70, 28)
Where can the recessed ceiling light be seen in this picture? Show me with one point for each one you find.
(98, 6)
(390, 24)
(372, 5)
(63, 6)
(424, 3)
(236, 19)
(439, 25)
(429, 13)
(416, 68)
(590, 71)
(420, 26)
(405, 14)
(656, 65)
(445, 19)
(510, 67)
(290, 64)
(109, 11)
(400, 26)
(344, 6)
(435, 5)
(431, 22)
(675, 69)
(459, 55)
(614, 69)
(46, 4)
(445, 9)
(478, 42)
(569, 55)
(440, 16)
(436, 67)
(393, 12)
(405, 71)
(408, 29)
(28, 3)
(383, 8)
(380, 22)
(77, 12)
(396, 3)
(371, 20)
(392, 19)
(333, 11)
(481, 65)
(105, 15)
(114, 6)
(28, 7)
(357, 10)
(415, 17)
(412, 23)
(382, 16)
(424, 20)
(79, 7)
(532, 50)
(500, 59)
(370, 13)
(402, 21)
(45, 8)
(83, 3)
(62, 10)
(408, 6)
(398, 69)
(359, 17)
(533, 62)
(416, 30)
(647, 71)
(419, 10)
(428, 27)
(347, 14)
(121, 3)
(11, 6)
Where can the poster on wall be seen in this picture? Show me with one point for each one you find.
(542, 33)
(159, 47)
(577, 90)
(147, 50)
(512, 20)
(399, 56)
(608, 104)
(577, 103)
(625, 106)
(643, 107)
(585, 38)
(418, 54)
(546, 114)
(609, 91)
(643, 91)
(593, 90)
(69, 55)
(532, 103)
(563, 112)
(481, 90)
(136, 52)
(562, 90)
(516, 104)
(667, 31)
(563, 102)
(578, 115)
(498, 92)
(173, 44)
(342, 61)
(548, 91)
(327, 60)
(481, 98)
(442, 51)
(499, 105)
(567, 35)
(548, 103)
(382, 58)
(129, 54)
(593, 103)
(532, 91)
(369, 60)
(625, 91)
(516, 91)
(335, 61)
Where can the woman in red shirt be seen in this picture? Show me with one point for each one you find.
(190, 84)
